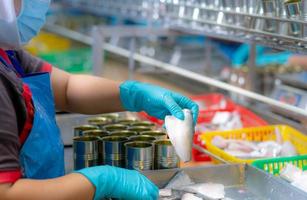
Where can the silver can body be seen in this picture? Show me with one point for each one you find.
(114, 150)
(85, 152)
(165, 155)
(139, 155)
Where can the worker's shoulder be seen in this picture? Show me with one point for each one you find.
(30, 63)
(9, 80)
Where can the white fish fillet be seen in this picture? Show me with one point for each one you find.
(180, 132)
(288, 149)
(165, 192)
(210, 190)
(190, 196)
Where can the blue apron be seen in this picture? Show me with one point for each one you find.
(42, 154)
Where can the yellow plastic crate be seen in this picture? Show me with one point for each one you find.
(256, 134)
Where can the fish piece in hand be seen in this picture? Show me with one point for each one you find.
(180, 132)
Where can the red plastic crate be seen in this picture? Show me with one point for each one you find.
(214, 102)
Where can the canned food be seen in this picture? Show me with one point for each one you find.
(139, 155)
(126, 121)
(159, 135)
(100, 134)
(114, 150)
(165, 155)
(143, 124)
(124, 133)
(142, 138)
(115, 127)
(99, 121)
(85, 151)
(78, 131)
(139, 129)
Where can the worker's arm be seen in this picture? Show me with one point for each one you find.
(72, 186)
(84, 93)
(93, 95)
(88, 183)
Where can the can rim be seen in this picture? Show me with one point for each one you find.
(85, 127)
(138, 145)
(111, 138)
(85, 138)
(163, 142)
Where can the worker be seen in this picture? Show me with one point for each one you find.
(31, 151)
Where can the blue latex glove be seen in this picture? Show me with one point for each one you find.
(114, 182)
(156, 101)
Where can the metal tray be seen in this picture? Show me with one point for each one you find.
(240, 181)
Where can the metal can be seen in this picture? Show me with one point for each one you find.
(293, 11)
(142, 138)
(96, 133)
(127, 121)
(165, 155)
(139, 129)
(143, 124)
(78, 131)
(114, 150)
(100, 134)
(85, 151)
(159, 135)
(112, 116)
(99, 121)
(115, 127)
(124, 133)
(139, 155)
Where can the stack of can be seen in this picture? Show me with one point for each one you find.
(122, 142)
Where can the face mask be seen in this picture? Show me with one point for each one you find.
(9, 37)
(31, 18)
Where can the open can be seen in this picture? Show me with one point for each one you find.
(139, 129)
(143, 124)
(114, 150)
(165, 155)
(85, 151)
(125, 133)
(127, 121)
(115, 127)
(100, 134)
(139, 155)
(159, 135)
(78, 130)
(99, 121)
(111, 116)
(142, 138)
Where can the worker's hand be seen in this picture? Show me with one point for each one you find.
(114, 182)
(156, 101)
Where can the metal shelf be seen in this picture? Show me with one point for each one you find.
(237, 25)
(232, 22)
(99, 46)
(235, 20)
